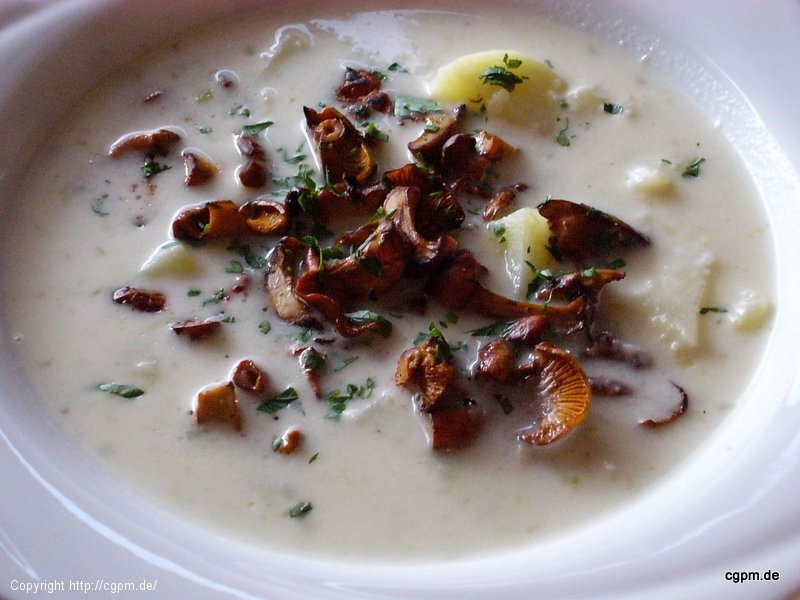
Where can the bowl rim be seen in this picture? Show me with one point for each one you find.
(136, 536)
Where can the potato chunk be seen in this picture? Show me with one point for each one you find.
(531, 94)
(523, 236)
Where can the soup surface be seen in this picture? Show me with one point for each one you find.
(363, 481)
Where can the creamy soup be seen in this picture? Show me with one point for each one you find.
(360, 477)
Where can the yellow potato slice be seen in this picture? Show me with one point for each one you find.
(523, 236)
(533, 100)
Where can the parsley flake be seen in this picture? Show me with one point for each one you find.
(121, 389)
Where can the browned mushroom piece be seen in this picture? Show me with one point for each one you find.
(437, 209)
(343, 150)
(289, 442)
(587, 284)
(217, 404)
(157, 141)
(492, 146)
(141, 300)
(404, 204)
(357, 84)
(453, 427)
(254, 170)
(198, 168)
(457, 287)
(498, 203)
(565, 391)
(461, 160)
(284, 263)
(265, 217)
(679, 410)
(496, 361)
(421, 367)
(439, 127)
(528, 330)
(584, 234)
(249, 377)
(210, 220)
(196, 330)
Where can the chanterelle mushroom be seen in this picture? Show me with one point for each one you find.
(565, 391)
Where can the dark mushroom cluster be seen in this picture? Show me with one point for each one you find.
(367, 243)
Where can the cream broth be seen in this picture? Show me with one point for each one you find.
(89, 224)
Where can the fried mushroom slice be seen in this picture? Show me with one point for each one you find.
(254, 170)
(248, 376)
(457, 287)
(217, 403)
(566, 392)
(343, 150)
(265, 217)
(196, 330)
(438, 209)
(149, 301)
(453, 427)
(156, 141)
(439, 128)
(421, 367)
(679, 410)
(283, 265)
(451, 420)
(357, 84)
(210, 220)
(496, 361)
(585, 234)
(198, 168)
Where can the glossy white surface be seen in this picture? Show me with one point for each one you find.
(64, 518)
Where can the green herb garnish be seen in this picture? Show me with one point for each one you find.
(278, 401)
(693, 169)
(408, 107)
(256, 128)
(502, 76)
(300, 509)
(151, 168)
(121, 389)
(712, 309)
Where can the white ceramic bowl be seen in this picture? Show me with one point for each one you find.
(66, 521)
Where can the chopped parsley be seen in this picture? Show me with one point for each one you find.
(239, 111)
(121, 389)
(256, 128)
(693, 169)
(265, 327)
(234, 266)
(562, 138)
(215, 298)
(151, 168)
(612, 109)
(97, 206)
(712, 309)
(493, 330)
(278, 401)
(300, 509)
(255, 261)
(502, 76)
(407, 107)
(337, 399)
